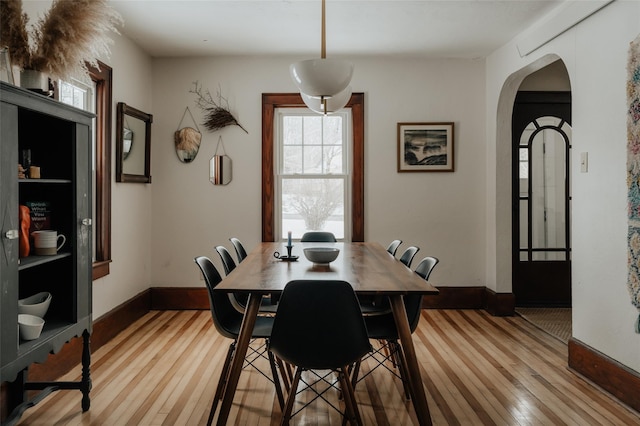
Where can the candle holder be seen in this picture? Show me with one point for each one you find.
(288, 257)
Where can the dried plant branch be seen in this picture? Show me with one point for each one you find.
(217, 114)
(70, 35)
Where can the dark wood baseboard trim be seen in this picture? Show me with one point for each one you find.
(499, 304)
(618, 380)
(455, 298)
(179, 298)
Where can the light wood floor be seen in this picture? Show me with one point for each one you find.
(477, 369)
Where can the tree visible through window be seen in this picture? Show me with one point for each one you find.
(313, 172)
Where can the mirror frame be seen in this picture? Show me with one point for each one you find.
(122, 110)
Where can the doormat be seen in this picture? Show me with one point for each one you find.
(633, 174)
(555, 321)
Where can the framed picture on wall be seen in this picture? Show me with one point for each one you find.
(425, 147)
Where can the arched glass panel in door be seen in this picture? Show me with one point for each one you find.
(544, 191)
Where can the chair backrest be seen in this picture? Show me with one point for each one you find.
(393, 247)
(319, 325)
(407, 256)
(227, 261)
(425, 266)
(413, 303)
(318, 237)
(222, 311)
(241, 253)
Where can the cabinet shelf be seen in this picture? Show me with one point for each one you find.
(41, 181)
(31, 261)
(52, 328)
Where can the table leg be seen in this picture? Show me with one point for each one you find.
(415, 380)
(248, 322)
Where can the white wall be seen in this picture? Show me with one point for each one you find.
(443, 213)
(130, 269)
(595, 54)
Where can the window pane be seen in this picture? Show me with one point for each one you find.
(312, 205)
(292, 130)
(333, 159)
(332, 130)
(312, 130)
(291, 159)
(313, 159)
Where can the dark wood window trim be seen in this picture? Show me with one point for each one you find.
(271, 101)
(103, 77)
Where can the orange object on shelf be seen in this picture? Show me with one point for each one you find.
(25, 223)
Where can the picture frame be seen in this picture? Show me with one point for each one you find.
(426, 147)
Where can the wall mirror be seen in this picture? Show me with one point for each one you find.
(220, 170)
(133, 144)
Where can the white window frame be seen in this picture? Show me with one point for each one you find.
(347, 146)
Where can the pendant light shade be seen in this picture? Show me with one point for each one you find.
(323, 83)
(324, 105)
(321, 77)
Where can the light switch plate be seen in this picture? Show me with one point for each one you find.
(584, 162)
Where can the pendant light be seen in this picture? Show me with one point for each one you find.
(323, 83)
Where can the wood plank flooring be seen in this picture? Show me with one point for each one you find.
(477, 370)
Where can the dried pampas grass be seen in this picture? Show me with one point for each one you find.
(187, 139)
(70, 35)
(187, 142)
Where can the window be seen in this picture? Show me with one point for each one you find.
(312, 172)
(97, 99)
(271, 103)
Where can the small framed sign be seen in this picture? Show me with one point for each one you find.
(425, 147)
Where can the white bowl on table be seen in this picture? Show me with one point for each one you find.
(30, 326)
(321, 255)
(36, 305)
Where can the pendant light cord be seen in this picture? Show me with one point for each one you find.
(323, 46)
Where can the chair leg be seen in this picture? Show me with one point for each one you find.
(222, 381)
(351, 406)
(354, 373)
(284, 372)
(286, 414)
(276, 379)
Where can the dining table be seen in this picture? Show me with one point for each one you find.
(367, 266)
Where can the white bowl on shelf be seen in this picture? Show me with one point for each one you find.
(321, 255)
(36, 305)
(30, 326)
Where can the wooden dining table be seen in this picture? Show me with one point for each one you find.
(367, 266)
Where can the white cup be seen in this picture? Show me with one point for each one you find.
(46, 242)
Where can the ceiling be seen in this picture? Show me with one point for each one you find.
(423, 28)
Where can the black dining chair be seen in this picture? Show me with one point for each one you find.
(393, 247)
(383, 329)
(306, 336)
(227, 321)
(241, 253)
(239, 300)
(408, 255)
(318, 237)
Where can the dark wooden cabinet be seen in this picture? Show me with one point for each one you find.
(59, 137)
